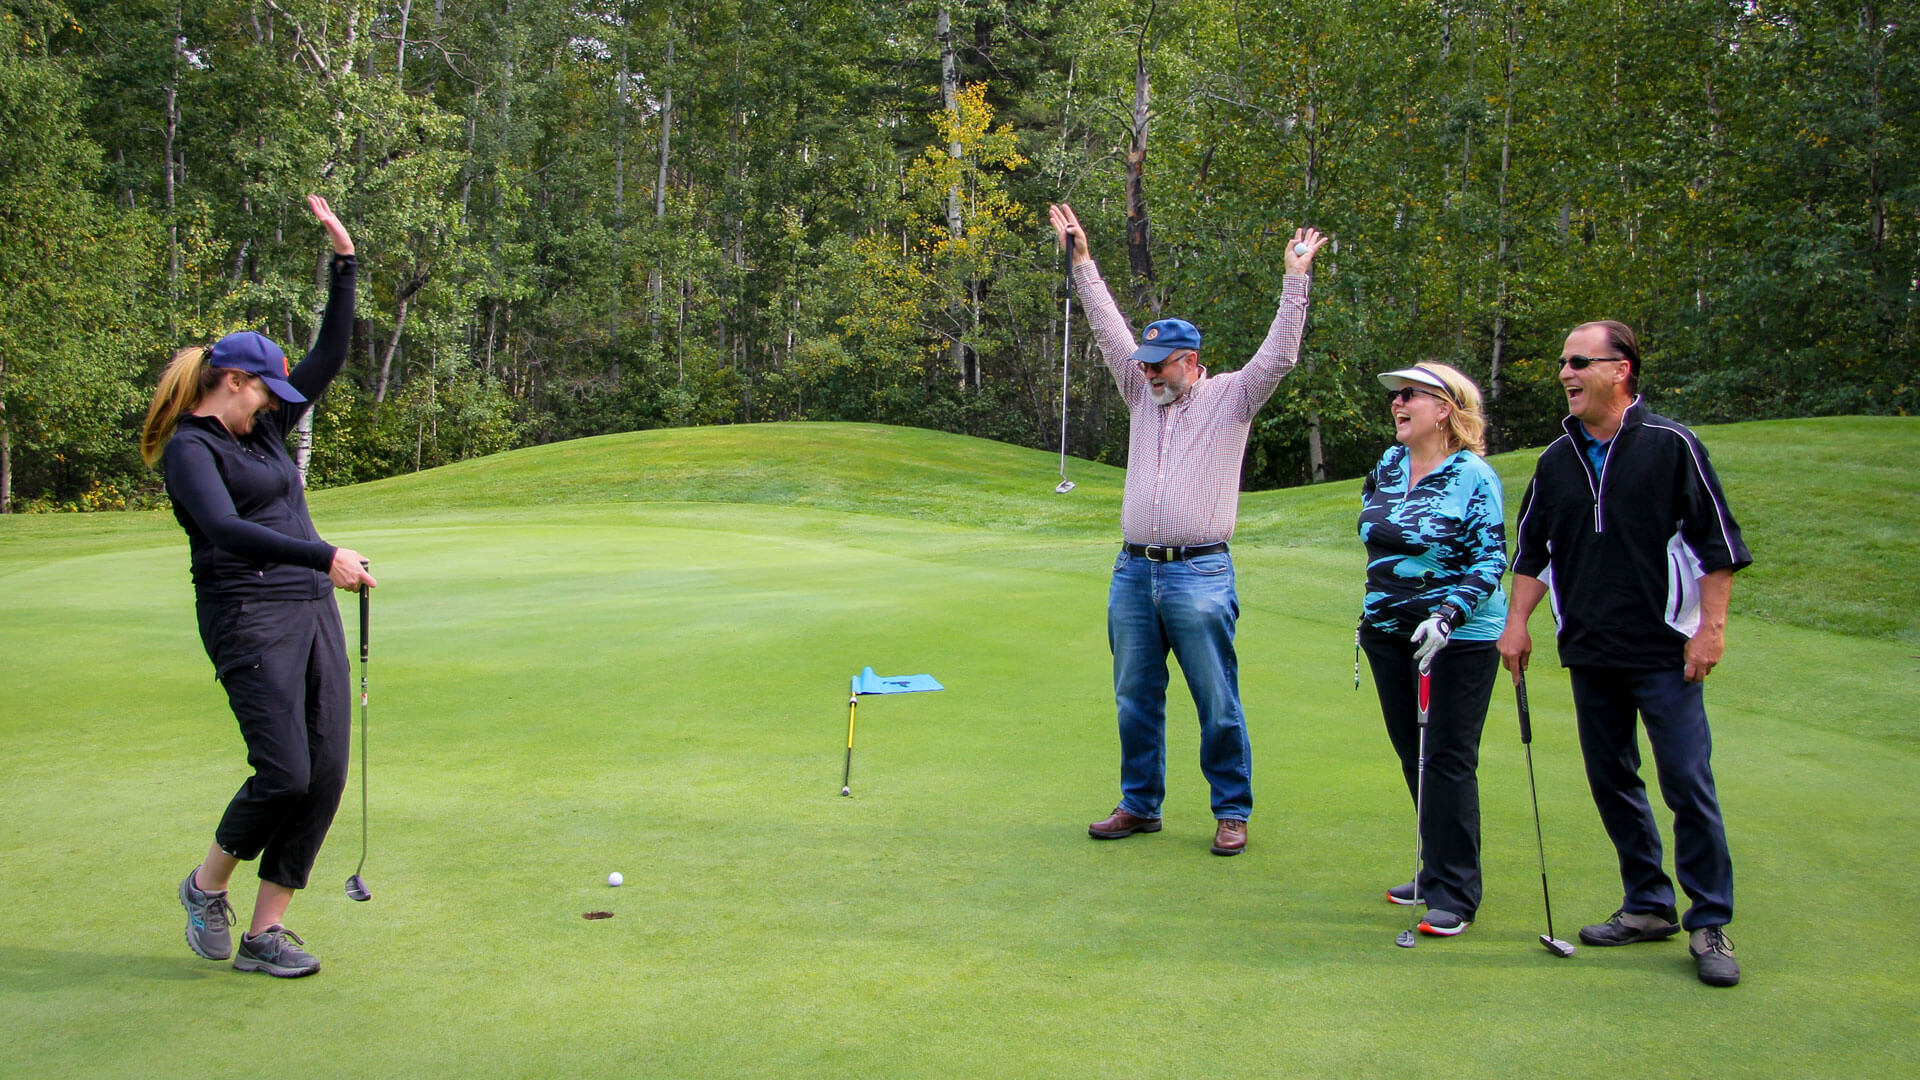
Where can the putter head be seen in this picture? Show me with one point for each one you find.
(357, 889)
(1556, 946)
(1063, 487)
(1405, 940)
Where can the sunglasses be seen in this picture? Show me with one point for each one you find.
(1405, 394)
(1579, 363)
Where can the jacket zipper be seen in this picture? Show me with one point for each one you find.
(1598, 526)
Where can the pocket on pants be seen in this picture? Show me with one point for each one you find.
(245, 662)
(1211, 565)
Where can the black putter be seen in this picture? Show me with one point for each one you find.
(356, 888)
(1407, 937)
(1553, 944)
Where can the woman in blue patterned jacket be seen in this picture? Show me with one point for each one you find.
(1433, 521)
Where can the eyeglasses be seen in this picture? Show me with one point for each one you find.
(1176, 358)
(1579, 363)
(1405, 394)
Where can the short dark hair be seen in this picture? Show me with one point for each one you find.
(1621, 338)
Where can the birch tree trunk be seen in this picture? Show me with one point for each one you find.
(1495, 369)
(1139, 256)
(950, 100)
(303, 431)
(657, 280)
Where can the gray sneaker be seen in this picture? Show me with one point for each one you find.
(1713, 957)
(1626, 927)
(208, 918)
(1443, 923)
(277, 952)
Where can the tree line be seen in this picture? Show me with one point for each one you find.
(586, 216)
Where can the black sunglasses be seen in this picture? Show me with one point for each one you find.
(1579, 363)
(1405, 394)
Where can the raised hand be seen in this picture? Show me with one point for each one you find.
(1306, 243)
(1066, 228)
(336, 232)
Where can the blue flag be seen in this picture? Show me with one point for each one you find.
(868, 683)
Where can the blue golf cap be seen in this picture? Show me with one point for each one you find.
(255, 354)
(1164, 338)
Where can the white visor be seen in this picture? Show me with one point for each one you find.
(1394, 380)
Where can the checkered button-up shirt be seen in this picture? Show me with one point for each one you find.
(1183, 459)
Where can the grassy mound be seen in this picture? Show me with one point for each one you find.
(631, 654)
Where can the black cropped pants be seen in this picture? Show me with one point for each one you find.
(1461, 681)
(284, 666)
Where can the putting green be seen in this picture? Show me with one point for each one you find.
(631, 653)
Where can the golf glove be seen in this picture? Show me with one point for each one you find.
(1431, 636)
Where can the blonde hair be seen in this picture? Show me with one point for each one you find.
(186, 380)
(1466, 423)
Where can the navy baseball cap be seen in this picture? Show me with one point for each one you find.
(1164, 338)
(256, 355)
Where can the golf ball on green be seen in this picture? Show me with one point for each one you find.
(614, 879)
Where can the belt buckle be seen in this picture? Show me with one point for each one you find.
(1160, 553)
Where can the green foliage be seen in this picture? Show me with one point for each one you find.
(70, 331)
(614, 216)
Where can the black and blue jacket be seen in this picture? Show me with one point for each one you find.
(239, 498)
(1440, 541)
(1622, 550)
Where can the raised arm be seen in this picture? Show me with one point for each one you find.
(1280, 351)
(329, 353)
(1110, 329)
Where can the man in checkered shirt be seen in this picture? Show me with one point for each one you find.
(1173, 579)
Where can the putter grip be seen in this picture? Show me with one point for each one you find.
(364, 603)
(1526, 718)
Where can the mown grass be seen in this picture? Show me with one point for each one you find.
(631, 654)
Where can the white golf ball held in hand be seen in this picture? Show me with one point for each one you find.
(614, 879)
(1299, 249)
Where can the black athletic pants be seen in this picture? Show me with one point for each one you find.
(1461, 684)
(1674, 712)
(284, 665)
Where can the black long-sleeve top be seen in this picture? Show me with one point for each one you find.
(239, 498)
(1623, 549)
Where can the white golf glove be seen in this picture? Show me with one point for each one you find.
(1431, 636)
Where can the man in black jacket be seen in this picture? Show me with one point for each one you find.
(1625, 522)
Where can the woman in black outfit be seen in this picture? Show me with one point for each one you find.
(263, 582)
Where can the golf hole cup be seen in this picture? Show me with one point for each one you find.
(614, 880)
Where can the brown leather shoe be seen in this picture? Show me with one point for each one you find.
(1122, 824)
(1230, 837)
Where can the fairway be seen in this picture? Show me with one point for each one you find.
(631, 654)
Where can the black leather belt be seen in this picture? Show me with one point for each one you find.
(1157, 553)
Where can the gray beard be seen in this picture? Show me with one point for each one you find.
(1162, 396)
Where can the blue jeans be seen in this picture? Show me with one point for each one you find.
(1190, 607)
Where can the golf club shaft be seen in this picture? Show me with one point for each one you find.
(1420, 793)
(1539, 843)
(1066, 355)
(366, 605)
